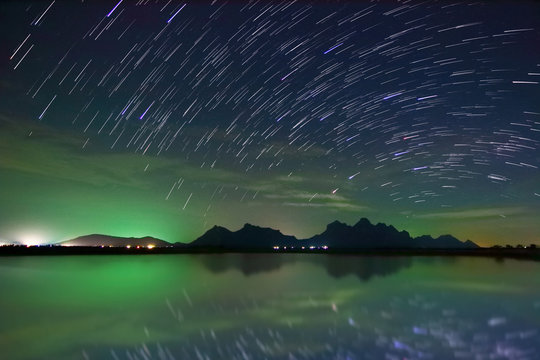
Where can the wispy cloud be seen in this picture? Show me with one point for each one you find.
(305, 199)
(43, 151)
(301, 195)
(330, 205)
(474, 213)
(291, 178)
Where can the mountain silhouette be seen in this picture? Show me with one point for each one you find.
(442, 242)
(364, 235)
(115, 241)
(249, 237)
(337, 236)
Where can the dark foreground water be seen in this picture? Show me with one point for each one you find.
(268, 307)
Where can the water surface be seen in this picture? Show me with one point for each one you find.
(273, 306)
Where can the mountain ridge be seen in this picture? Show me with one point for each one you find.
(338, 236)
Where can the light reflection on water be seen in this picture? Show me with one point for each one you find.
(271, 306)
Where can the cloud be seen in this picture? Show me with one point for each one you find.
(474, 213)
(330, 205)
(46, 152)
(302, 195)
(285, 192)
(291, 178)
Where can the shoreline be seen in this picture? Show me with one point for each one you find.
(514, 253)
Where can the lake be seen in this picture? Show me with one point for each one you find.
(268, 306)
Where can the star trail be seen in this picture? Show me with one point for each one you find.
(165, 118)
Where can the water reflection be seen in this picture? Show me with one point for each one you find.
(337, 266)
(247, 264)
(277, 307)
(365, 268)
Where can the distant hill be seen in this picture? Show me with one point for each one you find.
(249, 237)
(115, 241)
(363, 235)
(443, 242)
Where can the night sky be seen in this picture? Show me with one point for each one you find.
(164, 118)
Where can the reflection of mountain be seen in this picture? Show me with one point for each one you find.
(248, 264)
(337, 266)
(365, 267)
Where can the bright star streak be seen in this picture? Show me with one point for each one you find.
(14, 53)
(172, 17)
(43, 113)
(391, 96)
(426, 97)
(146, 110)
(332, 48)
(114, 8)
(36, 22)
(353, 175)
